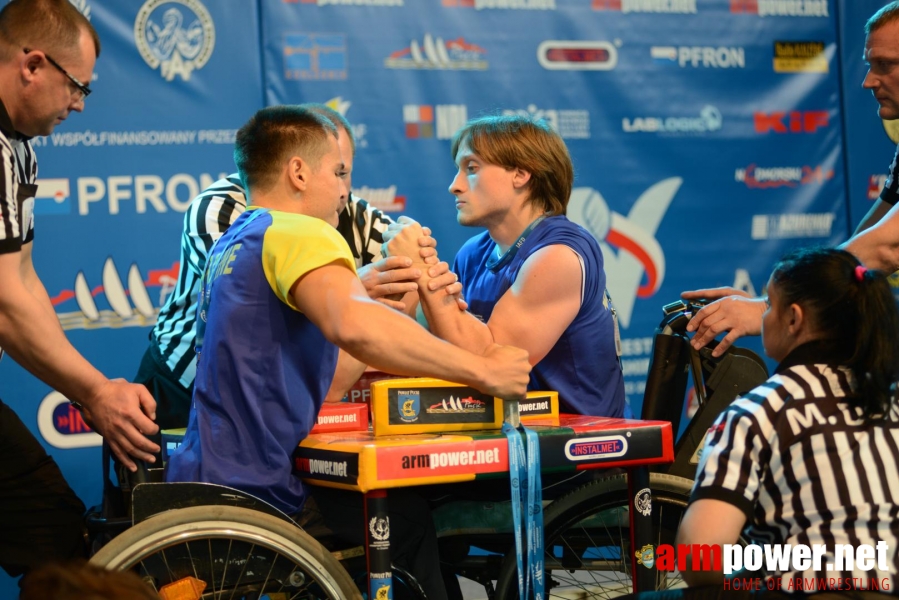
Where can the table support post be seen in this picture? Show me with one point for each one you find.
(377, 545)
(642, 554)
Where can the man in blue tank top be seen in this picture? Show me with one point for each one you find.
(534, 279)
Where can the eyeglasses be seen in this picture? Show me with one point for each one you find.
(83, 90)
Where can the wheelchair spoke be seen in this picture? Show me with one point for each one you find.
(267, 577)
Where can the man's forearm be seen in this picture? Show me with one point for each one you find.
(33, 338)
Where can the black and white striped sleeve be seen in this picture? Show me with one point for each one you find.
(737, 448)
(10, 232)
(363, 227)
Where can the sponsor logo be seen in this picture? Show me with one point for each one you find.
(129, 306)
(359, 129)
(756, 177)
(796, 121)
(315, 466)
(424, 121)
(634, 260)
(781, 8)
(463, 458)
(379, 528)
(570, 124)
(593, 448)
(347, 2)
(117, 191)
(53, 197)
(458, 405)
(645, 556)
(643, 502)
(384, 199)
(315, 56)
(793, 226)
(508, 4)
(647, 6)
(534, 407)
(434, 53)
(875, 186)
(715, 57)
(175, 36)
(708, 121)
(408, 405)
(337, 419)
(800, 57)
(62, 425)
(575, 55)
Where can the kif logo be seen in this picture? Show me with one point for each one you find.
(807, 121)
(315, 56)
(177, 37)
(425, 121)
(508, 4)
(647, 6)
(781, 8)
(634, 260)
(434, 53)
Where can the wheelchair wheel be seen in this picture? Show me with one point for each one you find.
(587, 539)
(236, 552)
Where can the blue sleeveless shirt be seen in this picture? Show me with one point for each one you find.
(583, 366)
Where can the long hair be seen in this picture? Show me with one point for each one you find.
(852, 308)
(517, 142)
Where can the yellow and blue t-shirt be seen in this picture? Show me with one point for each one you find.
(264, 368)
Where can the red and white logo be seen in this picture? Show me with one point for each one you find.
(795, 121)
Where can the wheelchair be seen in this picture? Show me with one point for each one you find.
(587, 537)
(243, 548)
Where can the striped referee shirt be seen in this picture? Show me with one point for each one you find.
(19, 166)
(806, 468)
(17, 188)
(208, 217)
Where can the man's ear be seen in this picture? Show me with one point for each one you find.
(298, 173)
(30, 65)
(520, 178)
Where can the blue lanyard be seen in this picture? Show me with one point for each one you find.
(495, 263)
(526, 488)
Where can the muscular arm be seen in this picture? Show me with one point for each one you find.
(30, 332)
(709, 521)
(547, 291)
(334, 299)
(877, 246)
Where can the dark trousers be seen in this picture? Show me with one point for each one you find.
(413, 541)
(41, 518)
(172, 398)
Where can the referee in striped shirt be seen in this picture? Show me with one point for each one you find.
(169, 364)
(47, 51)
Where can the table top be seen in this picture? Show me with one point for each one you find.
(359, 461)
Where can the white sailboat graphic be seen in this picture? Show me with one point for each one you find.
(415, 53)
(115, 292)
(84, 299)
(139, 296)
(431, 50)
